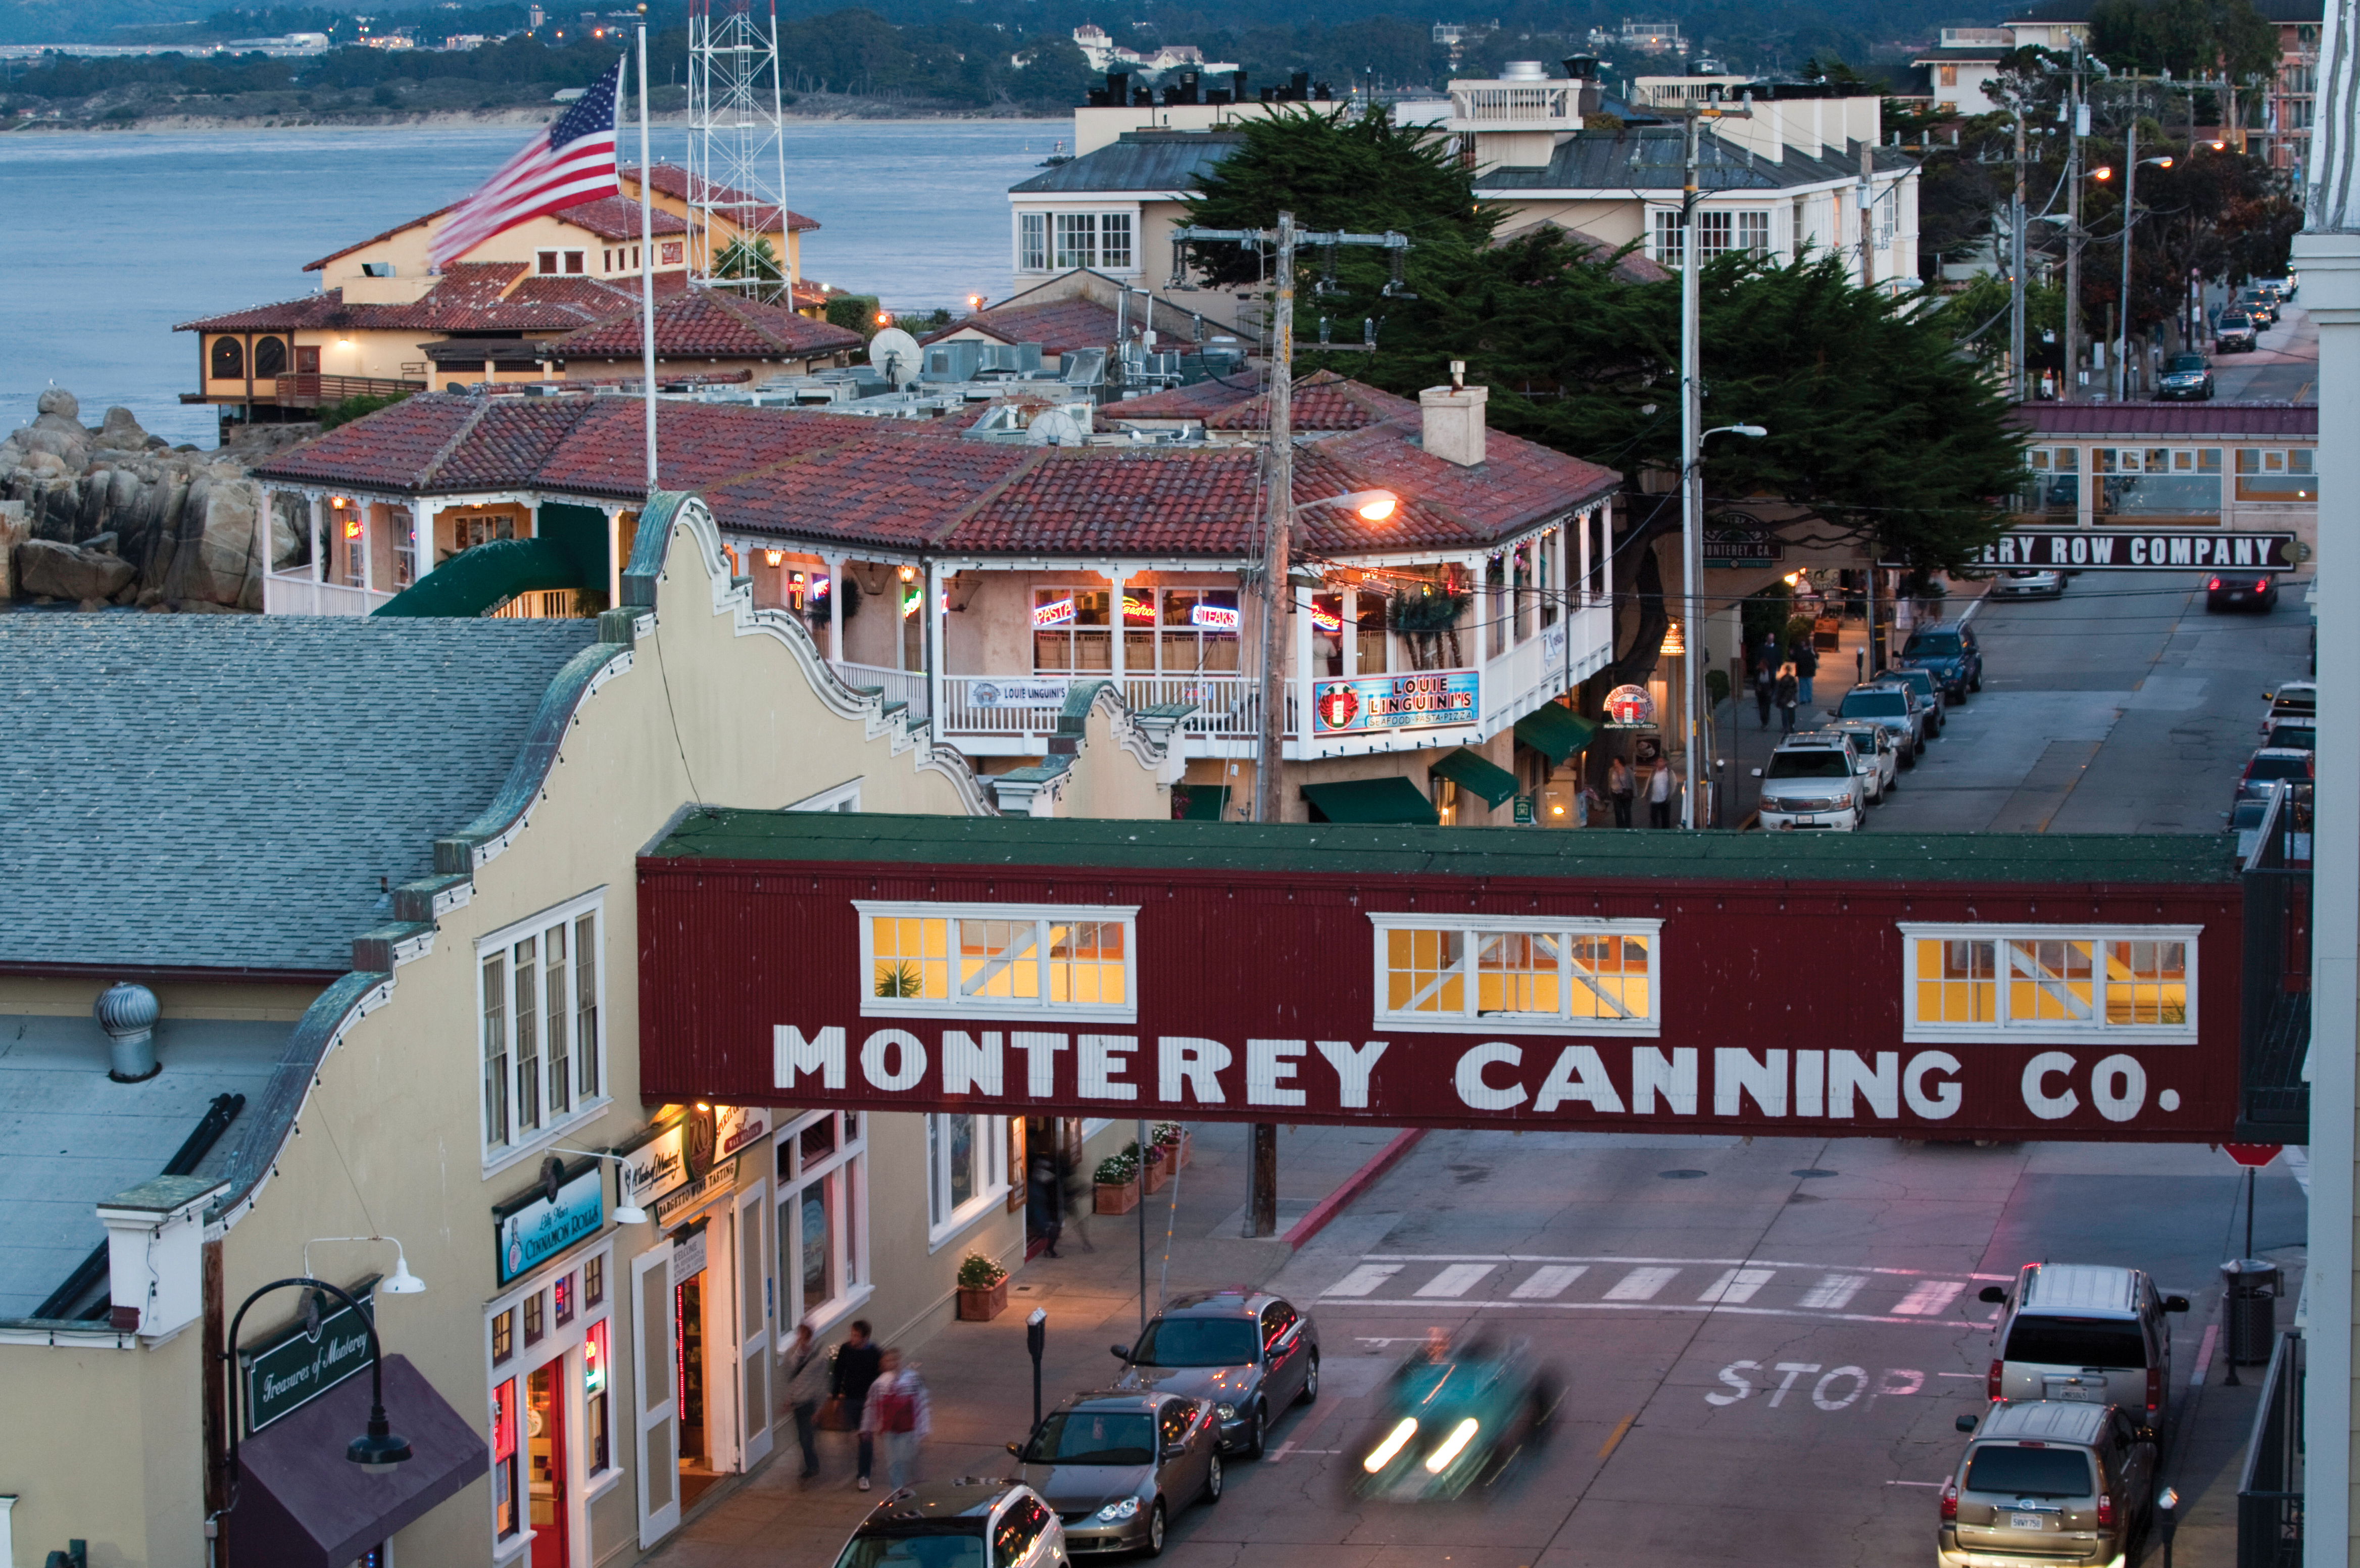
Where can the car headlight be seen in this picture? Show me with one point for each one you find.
(1383, 1454)
(1121, 1510)
(1460, 1436)
(1226, 1412)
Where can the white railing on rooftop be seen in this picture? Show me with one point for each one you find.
(284, 594)
(898, 686)
(1499, 102)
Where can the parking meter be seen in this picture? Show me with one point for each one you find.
(1036, 1339)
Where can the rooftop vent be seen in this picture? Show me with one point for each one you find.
(129, 1014)
(1524, 71)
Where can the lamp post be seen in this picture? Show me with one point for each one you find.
(379, 1448)
(2131, 162)
(625, 1212)
(1692, 569)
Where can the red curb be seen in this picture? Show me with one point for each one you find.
(1360, 1181)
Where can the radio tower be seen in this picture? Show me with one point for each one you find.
(736, 145)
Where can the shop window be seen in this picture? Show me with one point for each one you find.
(1071, 632)
(535, 1318)
(561, 1299)
(403, 524)
(507, 1517)
(539, 1005)
(2054, 492)
(1178, 631)
(1032, 242)
(227, 361)
(2276, 474)
(600, 1455)
(996, 960)
(1969, 981)
(2153, 484)
(821, 1186)
(269, 357)
(1569, 977)
(503, 1335)
(967, 1171)
(593, 1282)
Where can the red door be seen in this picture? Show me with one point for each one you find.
(545, 1428)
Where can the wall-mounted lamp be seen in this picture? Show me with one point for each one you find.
(1674, 646)
(401, 1282)
(774, 556)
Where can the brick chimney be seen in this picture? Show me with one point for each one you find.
(1454, 420)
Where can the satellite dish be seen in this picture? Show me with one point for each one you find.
(897, 355)
(1053, 427)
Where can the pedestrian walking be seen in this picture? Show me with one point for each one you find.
(1807, 665)
(1788, 694)
(897, 1409)
(808, 1369)
(1661, 785)
(857, 1364)
(1079, 1200)
(1621, 790)
(1765, 688)
(1766, 656)
(1044, 1203)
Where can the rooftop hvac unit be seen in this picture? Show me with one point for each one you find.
(1085, 368)
(956, 360)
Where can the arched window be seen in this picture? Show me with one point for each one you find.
(270, 358)
(229, 360)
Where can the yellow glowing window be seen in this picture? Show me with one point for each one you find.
(2147, 983)
(1517, 973)
(909, 957)
(2051, 982)
(1425, 971)
(1085, 962)
(999, 958)
(1956, 983)
(1610, 977)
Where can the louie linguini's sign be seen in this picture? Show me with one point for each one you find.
(1437, 697)
(2143, 550)
(287, 1373)
(537, 1226)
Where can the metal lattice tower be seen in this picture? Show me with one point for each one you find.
(736, 145)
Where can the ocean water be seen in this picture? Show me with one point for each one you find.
(113, 236)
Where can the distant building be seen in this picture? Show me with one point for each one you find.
(1104, 54)
(1957, 68)
(1653, 37)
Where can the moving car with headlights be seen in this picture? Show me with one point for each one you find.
(2260, 305)
(1895, 709)
(2185, 375)
(1880, 759)
(2029, 581)
(2235, 333)
(1813, 782)
(1447, 1422)
(2048, 1485)
(968, 1523)
(1117, 1465)
(1249, 1352)
(1950, 649)
(2082, 1333)
(2256, 591)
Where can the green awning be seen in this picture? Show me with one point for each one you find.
(1206, 802)
(1473, 774)
(1554, 730)
(1393, 799)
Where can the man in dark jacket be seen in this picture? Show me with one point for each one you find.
(857, 1365)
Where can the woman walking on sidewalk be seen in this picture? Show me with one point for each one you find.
(1621, 790)
(1788, 690)
(898, 1407)
(808, 1372)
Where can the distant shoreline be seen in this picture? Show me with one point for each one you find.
(520, 115)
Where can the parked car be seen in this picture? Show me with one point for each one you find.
(2294, 734)
(2259, 304)
(969, 1523)
(2185, 375)
(2245, 822)
(2028, 582)
(1249, 1352)
(2048, 1485)
(1927, 686)
(2235, 333)
(1445, 1423)
(1893, 707)
(1117, 1465)
(2285, 286)
(1813, 782)
(2271, 763)
(1880, 757)
(2241, 593)
(2085, 1334)
(1948, 648)
(2294, 702)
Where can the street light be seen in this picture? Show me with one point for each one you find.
(379, 1448)
(1373, 506)
(625, 1212)
(1692, 567)
(402, 1282)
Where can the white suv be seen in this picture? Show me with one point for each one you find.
(1813, 782)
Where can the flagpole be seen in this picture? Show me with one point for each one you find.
(647, 266)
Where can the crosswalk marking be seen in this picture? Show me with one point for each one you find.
(1641, 1284)
(1549, 1281)
(1834, 1292)
(1738, 1285)
(1931, 1298)
(1364, 1280)
(1455, 1280)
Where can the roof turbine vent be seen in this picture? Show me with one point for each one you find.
(129, 1014)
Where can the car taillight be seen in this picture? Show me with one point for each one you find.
(2153, 1391)
(2106, 1510)
(2214, 584)
(1950, 1500)
(2261, 585)
(1991, 1382)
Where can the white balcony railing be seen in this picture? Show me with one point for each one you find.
(288, 595)
(1225, 705)
(899, 685)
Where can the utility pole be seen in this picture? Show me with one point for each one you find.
(2077, 126)
(2019, 371)
(1867, 204)
(2130, 217)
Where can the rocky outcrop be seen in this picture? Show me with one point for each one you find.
(116, 515)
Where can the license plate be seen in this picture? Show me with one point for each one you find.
(2074, 1394)
(2023, 1521)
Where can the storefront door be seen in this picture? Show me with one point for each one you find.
(547, 1476)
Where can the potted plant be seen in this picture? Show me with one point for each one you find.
(982, 1288)
(1157, 1171)
(1115, 1182)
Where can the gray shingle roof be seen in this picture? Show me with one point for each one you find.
(1649, 157)
(1139, 161)
(226, 791)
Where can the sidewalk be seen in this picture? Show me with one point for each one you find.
(979, 1373)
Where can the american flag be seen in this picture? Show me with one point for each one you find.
(574, 164)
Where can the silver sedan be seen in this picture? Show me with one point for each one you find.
(1117, 1465)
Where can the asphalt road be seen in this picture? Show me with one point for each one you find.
(2122, 708)
(2283, 368)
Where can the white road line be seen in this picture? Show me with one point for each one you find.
(1834, 1292)
(1641, 1284)
(1363, 1280)
(1738, 1285)
(1931, 1298)
(1548, 1282)
(1455, 1280)
(1697, 1262)
(1506, 1304)
(2204, 1355)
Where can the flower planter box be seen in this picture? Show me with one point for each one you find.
(1159, 1174)
(1178, 1155)
(982, 1306)
(1114, 1199)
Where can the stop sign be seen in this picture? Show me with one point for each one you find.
(2253, 1154)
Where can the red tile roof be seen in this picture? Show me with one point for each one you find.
(711, 323)
(395, 448)
(673, 181)
(470, 296)
(618, 217)
(2132, 420)
(1323, 400)
(325, 310)
(1197, 401)
(1059, 326)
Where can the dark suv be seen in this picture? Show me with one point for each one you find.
(2186, 375)
(1949, 650)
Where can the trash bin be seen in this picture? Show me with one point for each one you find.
(2252, 1299)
